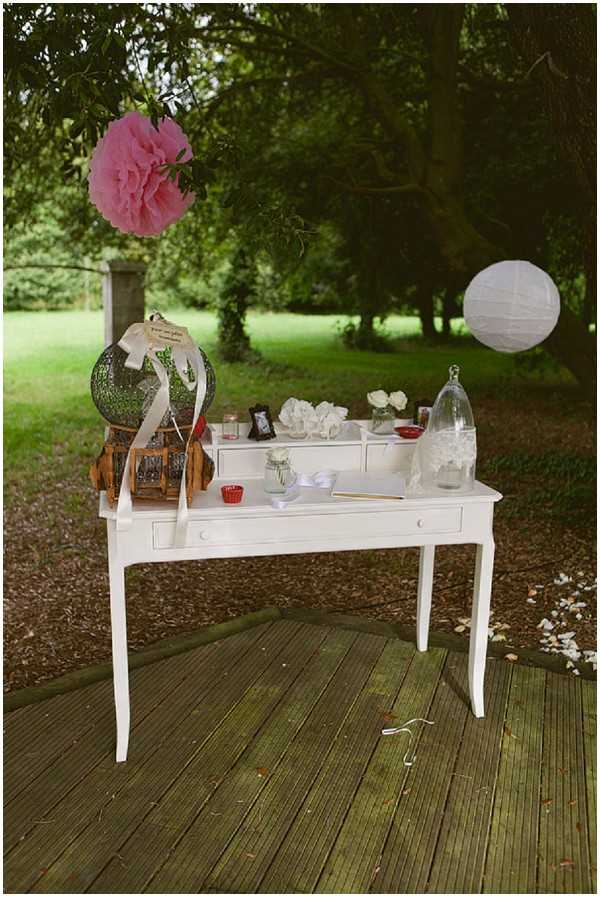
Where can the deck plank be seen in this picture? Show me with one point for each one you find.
(247, 857)
(231, 661)
(355, 856)
(88, 750)
(256, 765)
(121, 858)
(198, 832)
(588, 695)
(564, 864)
(43, 734)
(461, 849)
(99, 840)
(408, 853)
(300, 859)
(512, 854)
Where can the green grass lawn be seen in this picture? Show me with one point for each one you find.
(49, 357)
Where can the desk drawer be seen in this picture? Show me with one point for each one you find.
(390, 456)
(309, 459)
(320, 529)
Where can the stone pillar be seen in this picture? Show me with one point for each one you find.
(122, 297)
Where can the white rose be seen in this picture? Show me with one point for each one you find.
(324, 408)
(378, 398)
(288, 411)
(398, 400)
(341, 411)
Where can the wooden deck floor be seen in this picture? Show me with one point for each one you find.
(257, 764)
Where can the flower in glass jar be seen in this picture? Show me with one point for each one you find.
(378, 399)
(278, 455)
(398, 400)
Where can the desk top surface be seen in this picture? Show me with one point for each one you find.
(256, 502)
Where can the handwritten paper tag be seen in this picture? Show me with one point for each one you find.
(166, 334)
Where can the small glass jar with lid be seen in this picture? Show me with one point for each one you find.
(451, 435)
(382, 421)
(279, 475)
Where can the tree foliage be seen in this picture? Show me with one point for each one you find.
(413, 133)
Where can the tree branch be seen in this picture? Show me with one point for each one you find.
(66, 267)
(364, 188)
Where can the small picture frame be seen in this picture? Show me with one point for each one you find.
(422, 411)
(262, 424)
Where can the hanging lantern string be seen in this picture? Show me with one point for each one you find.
(405, 728)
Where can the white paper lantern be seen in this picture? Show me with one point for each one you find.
(511, 306)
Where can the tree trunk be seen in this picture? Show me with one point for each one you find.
(425, 305)
(449, 310)
(572, 344)
(558, 44)
(237, 289)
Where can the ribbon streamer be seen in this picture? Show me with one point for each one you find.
(404, 728)
(138, 343)
(323, 479)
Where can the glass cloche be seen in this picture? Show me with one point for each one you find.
(452, 438)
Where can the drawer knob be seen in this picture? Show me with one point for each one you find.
(420, 522)
(204, 536)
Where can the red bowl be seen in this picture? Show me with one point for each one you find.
(232, 495)
(410, 432)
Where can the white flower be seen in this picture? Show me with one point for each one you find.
(288, 411)
(278, 455)
(545, 624)
(398, 400)
(378, 399)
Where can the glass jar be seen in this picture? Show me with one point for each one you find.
(279, 475)
(451, 433)
(382, 421)
(231, 425)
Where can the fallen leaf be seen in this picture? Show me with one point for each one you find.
(531, 593)
(251, 855)
(459, 628)
(567, 862)
(499, 637)
(388, 716)
(562, 770)
(262, 771)
(572, 803)
(406, 791)
(508, 731)
(548, 800)
(578, 826)
(511, 657)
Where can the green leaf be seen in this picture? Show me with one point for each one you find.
(180, 154)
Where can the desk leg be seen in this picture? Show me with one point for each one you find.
(118, 622)
(480, 615)
(424, 595)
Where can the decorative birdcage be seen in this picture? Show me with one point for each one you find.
(125, 386)
(155, 470)
(123, 395)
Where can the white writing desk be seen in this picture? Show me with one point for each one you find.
(314, 522)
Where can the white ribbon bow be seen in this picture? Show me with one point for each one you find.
(323, 479)
(138, 341)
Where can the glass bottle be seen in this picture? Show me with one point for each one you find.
(451, 436)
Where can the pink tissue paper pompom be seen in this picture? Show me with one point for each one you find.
(127, 183)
